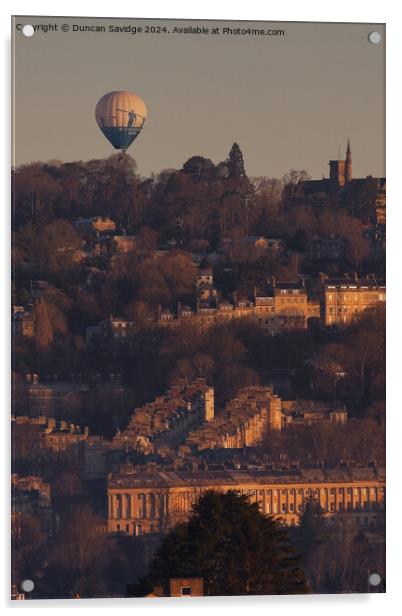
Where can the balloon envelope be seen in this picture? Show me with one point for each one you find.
(120, 116)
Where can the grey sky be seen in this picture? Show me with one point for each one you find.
(290, 102)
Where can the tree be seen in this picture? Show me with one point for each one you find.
(28, 546)
(79, 558)
(311, 530)
(232, 546)
(236, 162)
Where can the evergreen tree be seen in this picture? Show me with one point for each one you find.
(236, 162)
(311, 530)
(232, 546)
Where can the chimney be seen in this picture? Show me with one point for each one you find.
(273, 281)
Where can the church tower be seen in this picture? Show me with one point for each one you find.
(348, 164)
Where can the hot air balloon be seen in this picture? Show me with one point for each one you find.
(121, 116)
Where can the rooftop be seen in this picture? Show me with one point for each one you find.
(164, 478)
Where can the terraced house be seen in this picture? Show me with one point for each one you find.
(141, 503)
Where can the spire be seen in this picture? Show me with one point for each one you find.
(348, 151)
(348, 163)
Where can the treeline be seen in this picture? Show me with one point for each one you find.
(201, 202)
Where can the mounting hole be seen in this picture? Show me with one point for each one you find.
(374, 579)
(374, 37)
(28, 30)
(27, 585)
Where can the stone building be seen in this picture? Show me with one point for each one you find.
(277, 307)
(166, 422)
(53, 398)
(344, 298)
(332, 248)
(243, 247)
(342, 183)
(243, 422)
(180, 587)
(141, 503)
(23, 323)
(113, 332)
(30, 495)
(309, 412)
(93, 457)
(282, 306)
(204, 276)
(63, 436)
(124, 243)
(97, 224)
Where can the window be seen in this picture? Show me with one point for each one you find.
(283, 507)
(185, 590)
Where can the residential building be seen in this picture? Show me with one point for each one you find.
(141, 503)
(23, 323)
(53, 398)
(344, 298)
(332, 248)
(309, 412)
(97, 224)
(32, 496)
(166, 422)
(244, 422)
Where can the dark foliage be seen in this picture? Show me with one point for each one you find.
(232, 546)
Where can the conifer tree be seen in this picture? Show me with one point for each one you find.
(236, 162)
(232, 546)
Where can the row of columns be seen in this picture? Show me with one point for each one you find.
(156, 505)
(137, 505)
(291, 500)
